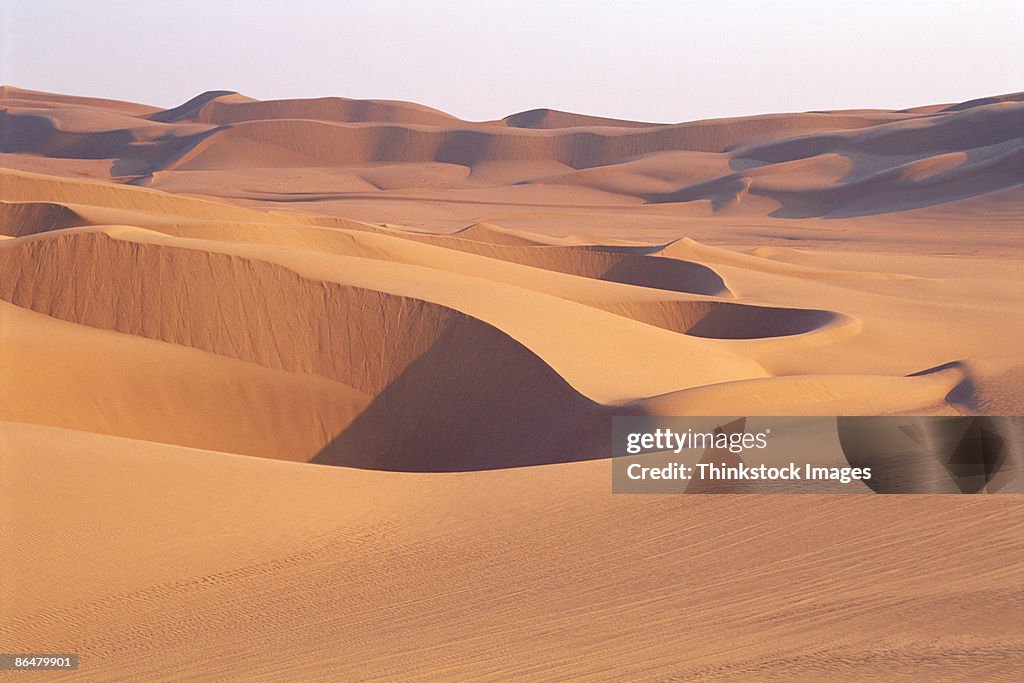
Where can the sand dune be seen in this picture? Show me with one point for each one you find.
(11, 96)
(552, 118)
(362, 305)
(241, 568)
(18, 219)
(746, 158)
(318, 142)
(68, 375)
(232, 108)
(421, 326)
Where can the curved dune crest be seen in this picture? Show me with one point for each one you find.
(610, 264)
(403, 353)
(140, 253)
(18, 219)
(578, 274)
(983, 101)
(190, 109)
(728, 320)
(227, 107)
(553, 118)
(470, 343)
(490, 233)
(11, 96)
(241, 308)
(811, 395)
(28, 187)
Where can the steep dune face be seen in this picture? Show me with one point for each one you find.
(190, 109)
(27, 218)
(78, 377)
(409, 355)
(245, 309)
(474, 400)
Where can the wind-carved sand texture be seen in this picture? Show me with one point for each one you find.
(450, 313)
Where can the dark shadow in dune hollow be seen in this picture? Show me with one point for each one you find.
(475, 400)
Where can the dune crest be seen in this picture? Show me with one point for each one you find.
(293, 386)
(556, 264)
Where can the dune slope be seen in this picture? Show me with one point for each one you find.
(211, 565)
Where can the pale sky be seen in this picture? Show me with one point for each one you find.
(652, 60)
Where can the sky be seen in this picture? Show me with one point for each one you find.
(651, 60)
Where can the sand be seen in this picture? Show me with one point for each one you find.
(311, 389)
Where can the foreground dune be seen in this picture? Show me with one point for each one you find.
(449, 313)
(217, 566)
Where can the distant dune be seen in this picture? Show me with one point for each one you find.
(846, 160)
(448, 313)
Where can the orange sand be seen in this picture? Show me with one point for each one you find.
(382, 286)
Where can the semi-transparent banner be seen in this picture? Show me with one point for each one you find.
(906, 454)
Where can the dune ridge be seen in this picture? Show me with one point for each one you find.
(310, 389)
(750, 165)
(704, 315)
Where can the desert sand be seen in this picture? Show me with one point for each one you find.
(308, 389)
